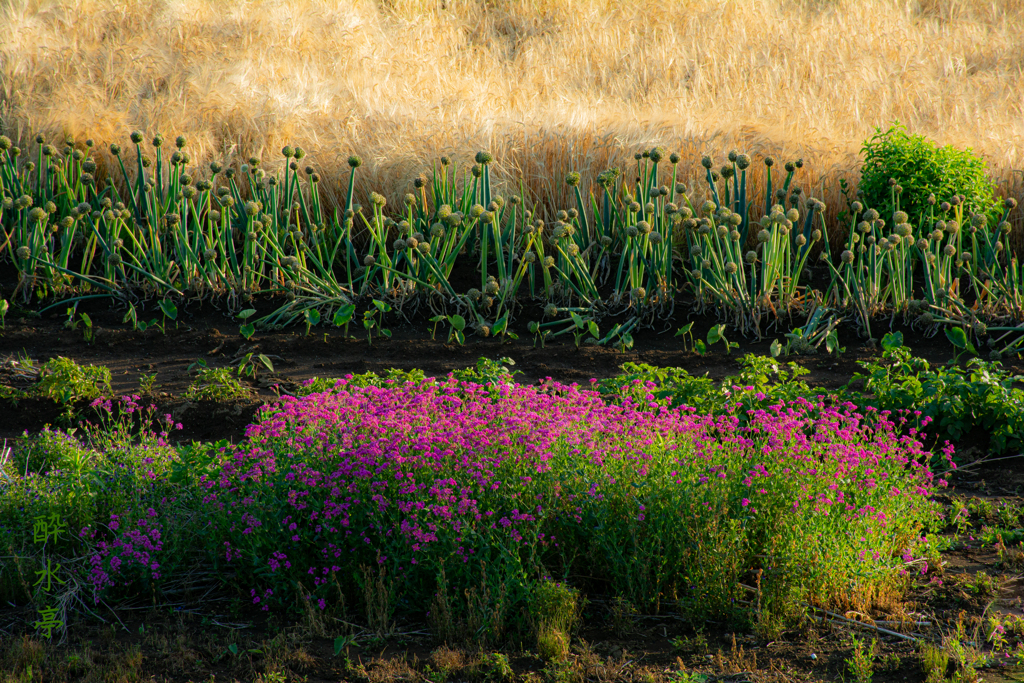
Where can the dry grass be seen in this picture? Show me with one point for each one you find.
(547, 85)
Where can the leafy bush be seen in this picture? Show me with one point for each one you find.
(761, 382)
(954, 400)
(65, 381)
(922, 168)
(216, 384)
(49, 450)
(97, 489)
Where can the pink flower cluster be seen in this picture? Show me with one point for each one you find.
(441, 472)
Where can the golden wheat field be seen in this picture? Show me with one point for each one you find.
(548, 86)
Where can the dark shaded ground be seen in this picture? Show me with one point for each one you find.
(203, 332)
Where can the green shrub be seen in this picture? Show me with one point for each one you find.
(761, 382)
(65, 381)
(556, 610)
(216, 384)
(922, 168)
(49, 450)
(956, 400)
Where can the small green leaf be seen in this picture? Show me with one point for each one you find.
(957, 337)
(247, 313)
(247, 330)
(233, 648)
(892, 340)
(343, 315)
(775, 348)
(576, 320)
(595, 332)
(437, 319)
(685, 329)
(169, 309)
(312, 316)
(457, 321)
(715, 334)
(266, 362)
(832, 341)
(700, 348)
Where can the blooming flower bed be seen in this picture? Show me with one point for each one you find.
(515, 483)
(427, 497)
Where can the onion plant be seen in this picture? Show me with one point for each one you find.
(145, 222)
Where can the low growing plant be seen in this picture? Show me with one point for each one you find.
(65, 381)
(953, 399)
(215, 384)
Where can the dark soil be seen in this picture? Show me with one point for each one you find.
(202, 332)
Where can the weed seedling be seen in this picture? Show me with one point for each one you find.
(247, 329)
(370, 321)
(433, 332)
(861, 663)
(312, 317)
(686, 332)
(458, 324)
(214, 384)
(343, 316)
(170, 312)
(146, 383)
(248, 367)
(717, 334)
(539, 335)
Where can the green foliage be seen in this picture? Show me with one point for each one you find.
(372, 319)
(169, 311)
(555, 610)
(50, 450)
(956, 399)
(922, 168)
(458, 325)
(494, 666)
(762, 381)
(85, 480)
(686, 332)
(861, 664)
(488, 371)
(250, 363)
(934, 662)
(246, 329)
(317, 385)
(215, 384)
(65, 381)
(717, 334)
